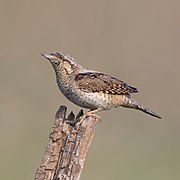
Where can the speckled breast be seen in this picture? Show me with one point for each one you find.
(91, 100)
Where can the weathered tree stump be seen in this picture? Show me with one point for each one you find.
(67, 147)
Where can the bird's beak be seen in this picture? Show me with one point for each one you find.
(48, 56)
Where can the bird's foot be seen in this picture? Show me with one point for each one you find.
(92, 113)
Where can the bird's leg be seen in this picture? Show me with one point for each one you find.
(92, 113)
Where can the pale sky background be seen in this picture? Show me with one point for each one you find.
(135, 41)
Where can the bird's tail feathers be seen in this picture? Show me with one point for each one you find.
(135, 105)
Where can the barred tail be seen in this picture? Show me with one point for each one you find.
(130, 103)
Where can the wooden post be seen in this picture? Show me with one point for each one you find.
(67, 147)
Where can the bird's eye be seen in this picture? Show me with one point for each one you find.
(56, 63)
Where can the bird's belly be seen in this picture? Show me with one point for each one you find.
(93, 100)
(90, 100)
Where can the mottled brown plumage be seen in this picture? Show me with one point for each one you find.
(99, 82)
(91, 89)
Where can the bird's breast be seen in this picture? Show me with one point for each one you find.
(92, 100)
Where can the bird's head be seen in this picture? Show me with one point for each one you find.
(62, 61)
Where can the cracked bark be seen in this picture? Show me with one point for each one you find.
(67, 146)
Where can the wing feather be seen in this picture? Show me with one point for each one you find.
(99, 82)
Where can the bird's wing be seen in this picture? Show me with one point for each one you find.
(99, 82)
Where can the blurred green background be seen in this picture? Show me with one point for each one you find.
(136, 41)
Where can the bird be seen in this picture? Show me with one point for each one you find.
(92, 89)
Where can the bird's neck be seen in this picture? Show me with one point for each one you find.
(64, 77)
